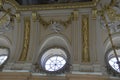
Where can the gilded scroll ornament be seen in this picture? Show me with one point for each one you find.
(24, 53)
(85, 38)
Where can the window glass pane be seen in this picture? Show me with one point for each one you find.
(55, 63)
(2, 59)
(113, 63)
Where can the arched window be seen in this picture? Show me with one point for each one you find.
(54, 60)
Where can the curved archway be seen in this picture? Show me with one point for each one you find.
(116, 41)
(54, 40)
(4, 41)
(110, 58)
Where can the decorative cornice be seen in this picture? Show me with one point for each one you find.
(52, 6)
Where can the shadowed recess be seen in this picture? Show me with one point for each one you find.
(38, 2)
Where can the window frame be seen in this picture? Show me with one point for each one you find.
(65, 68)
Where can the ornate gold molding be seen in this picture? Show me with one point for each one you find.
(113, 14)
(0, 2)
(24, 53)
(72, 17)
(43, 22)
(94, 13)
(52, 6)
(18, 17)
(75, 15)
(34, 16)
(109, 11)
(85, 38)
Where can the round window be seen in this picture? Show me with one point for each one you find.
(112, 61)
(55, 63)
(54, 60)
